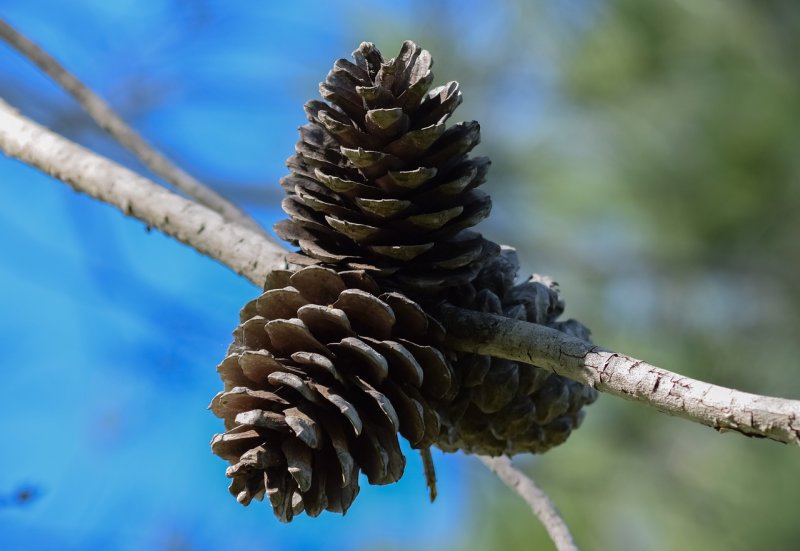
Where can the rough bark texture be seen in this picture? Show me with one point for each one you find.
(721, 408)
(251, 255)
(246, 252)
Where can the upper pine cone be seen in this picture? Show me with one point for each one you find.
(377, 181)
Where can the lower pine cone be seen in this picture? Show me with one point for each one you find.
(507, 407)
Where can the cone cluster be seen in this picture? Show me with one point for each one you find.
(324, 372)
(339, 356)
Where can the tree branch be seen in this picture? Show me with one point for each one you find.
(721, 408)
(105, 117)
(539, 502)
(250, 254)
(243, 250)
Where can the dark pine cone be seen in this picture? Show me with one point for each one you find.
(324, 372)
(506, 407)
(379, 183)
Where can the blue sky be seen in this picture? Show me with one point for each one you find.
(111, 333)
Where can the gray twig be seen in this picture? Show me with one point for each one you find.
(541, 505)
(109, 121)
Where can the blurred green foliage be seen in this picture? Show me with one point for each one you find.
(647, 155)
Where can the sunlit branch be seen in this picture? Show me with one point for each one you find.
(109, 121)
(721, 408)
(243, 250)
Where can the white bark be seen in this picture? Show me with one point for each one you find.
(243, 250)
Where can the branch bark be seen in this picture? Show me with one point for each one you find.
(243, 250)
(537, 500)
(109, 121)
(250, 254)
(721, 408)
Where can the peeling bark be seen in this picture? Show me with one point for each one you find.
(721, 408)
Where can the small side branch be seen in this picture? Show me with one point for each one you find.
(721, 408)
(537, 500)
(243, 250)
(109, 121)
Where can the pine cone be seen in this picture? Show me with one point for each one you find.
(506, 407)
(330, 364)
(379, 183)
(323, 373)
